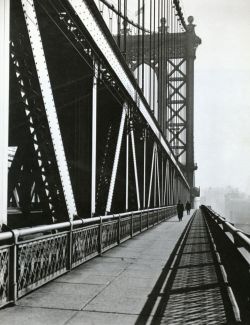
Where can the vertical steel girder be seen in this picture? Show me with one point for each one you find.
(94, 136)
(44, 80)
(4, 104)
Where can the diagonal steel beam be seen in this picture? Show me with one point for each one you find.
(135, 167)
(158, 177)
(116, 159)
(49, 104)
(151, 175)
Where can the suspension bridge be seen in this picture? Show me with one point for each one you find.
(96, 150)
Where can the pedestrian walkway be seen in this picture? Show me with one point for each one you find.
(111, 289)
(166, 275)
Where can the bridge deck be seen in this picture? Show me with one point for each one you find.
(167, 275)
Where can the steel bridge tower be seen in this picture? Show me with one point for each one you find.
(175, 75)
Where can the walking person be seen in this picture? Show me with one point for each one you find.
(188, 207)
(180, 209)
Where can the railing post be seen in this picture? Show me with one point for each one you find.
(141, 222)
(119, 231)
(70, 247)
(157, 216)
(131, 226)
(13, 267)
(147, 220)
(237, 242)
(100, 237)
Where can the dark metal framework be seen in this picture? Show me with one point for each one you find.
(84, 134)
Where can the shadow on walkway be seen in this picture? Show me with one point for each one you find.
(190, 289)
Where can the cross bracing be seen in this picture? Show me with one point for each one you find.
(91, 136)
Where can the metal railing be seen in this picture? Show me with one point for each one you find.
(234, 249)
(239, 238)
(31, 257)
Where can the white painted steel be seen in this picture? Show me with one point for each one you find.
(116, 159)
(93, 157)
(162, 181)
(144, 167)
(165, 185)
(44, 80)
(83, 11)
(158, 178)
(151, 176)
(135, 169)
(155, 175)
(127, 169)
(4, 105)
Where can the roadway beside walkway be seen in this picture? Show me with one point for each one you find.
(111, 289)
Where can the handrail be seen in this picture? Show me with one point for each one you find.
(66, 225)
(240, 239)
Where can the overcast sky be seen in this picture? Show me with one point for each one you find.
(222, 92)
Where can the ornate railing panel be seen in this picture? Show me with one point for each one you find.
(85, 244)
(109, 234)
(144, 225)
(4, 275)
(38, 255)
(40, 261)
(125, 228)
(136, 224)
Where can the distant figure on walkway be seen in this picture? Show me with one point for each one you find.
(188, 207)
(180, 209)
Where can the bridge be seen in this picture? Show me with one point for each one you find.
(97, 149)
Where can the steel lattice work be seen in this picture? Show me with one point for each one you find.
(100, 109)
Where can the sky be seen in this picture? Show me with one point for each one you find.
(222, 92)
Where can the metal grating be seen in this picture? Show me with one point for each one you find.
(196, 259)
(193, 292)
(200, 307)
(195, 277)
(195, 249)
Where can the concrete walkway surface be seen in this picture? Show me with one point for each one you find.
(111, 289)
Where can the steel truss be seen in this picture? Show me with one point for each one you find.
(130, 165)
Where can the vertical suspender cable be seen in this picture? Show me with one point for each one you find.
(150, 56)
